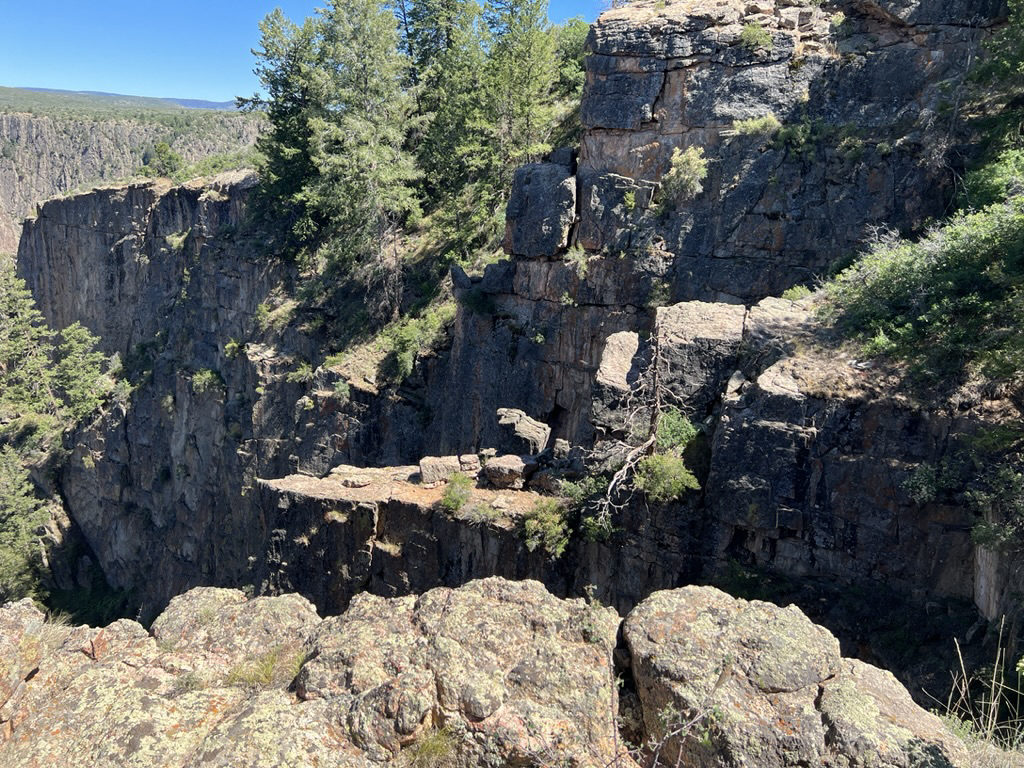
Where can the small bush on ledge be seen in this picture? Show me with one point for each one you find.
(457, 492)
(684, 179)
(664, 478)
(766, 125)
(754, 37)
(546, 526)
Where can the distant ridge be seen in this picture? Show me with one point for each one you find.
(124, 100)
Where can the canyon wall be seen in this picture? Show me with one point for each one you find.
(43, 156)
(216, 468)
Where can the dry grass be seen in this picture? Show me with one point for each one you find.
(985, 712)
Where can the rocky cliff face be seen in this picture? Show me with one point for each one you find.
(45, 156)
(493, 674)
(162, 483)
(216, 469)
(866, 111)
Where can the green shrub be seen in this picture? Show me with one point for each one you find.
(922, 484)
(948, 303)
(659, 295)
(675, 432)
(303, 374)
(996, 181)
(796, 292)
(546, 525)
(342, 390)
(767, 125)
(579, 492)
(755, 37)
(688, 169)
(233, 349)
(456, 492)
(664, 478)
(177, 240)
(576, 257)
(408, 337)
(205, 379)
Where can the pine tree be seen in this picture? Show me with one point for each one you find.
(453, 151)
(335, 173)
(523, 69)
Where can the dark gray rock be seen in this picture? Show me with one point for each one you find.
(541, 210)
(509, 471)
(860, 144)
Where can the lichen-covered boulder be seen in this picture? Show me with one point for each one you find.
(512, 673)
(21, 627)
(762, 686)
(495, 673)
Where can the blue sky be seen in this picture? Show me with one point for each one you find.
(184, 49)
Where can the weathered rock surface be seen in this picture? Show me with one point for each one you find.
(766, 687)
(525, 435)
(217, 469)
(160, 484)
(121, 260)
(541, 210)
(495, 673)
(47, 156)
(861, 144)
(510, 673)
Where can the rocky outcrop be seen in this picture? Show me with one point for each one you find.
(161, 483)
(811, 136)
(542, 209)
(121, 260)
(44, 156)
(217, 467)
(766, 687)
(495, 673)
(856, 145)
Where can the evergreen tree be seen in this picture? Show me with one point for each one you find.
(453, 151)
(285, 63)
(44, 388)
(21, 514)
(25, 349)
(336, 174)
(523, 69)
(362, 186)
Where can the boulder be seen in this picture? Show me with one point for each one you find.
(541, 210)
(525, 435)
(437, 469)
(494, 673)
(21, 628)
(509, 471)
(515, 674)
(763, 686)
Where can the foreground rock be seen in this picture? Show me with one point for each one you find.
(496, 673)
(765, 687)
